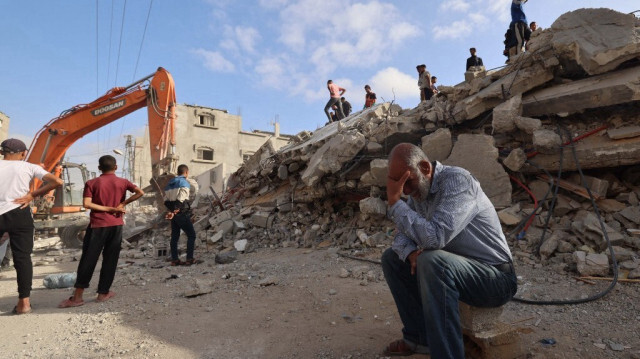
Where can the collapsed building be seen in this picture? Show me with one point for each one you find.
(557, 127)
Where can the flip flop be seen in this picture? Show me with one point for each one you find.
(15, 311)
(69, 303)
(106, 297)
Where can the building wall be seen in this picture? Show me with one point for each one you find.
(4, 127)
(210, 140)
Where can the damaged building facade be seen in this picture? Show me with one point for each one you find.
(4, 126)
(212, 143)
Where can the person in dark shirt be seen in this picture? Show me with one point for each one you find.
(105, 197)
(473, 60)
(346, 107)
(369, 98)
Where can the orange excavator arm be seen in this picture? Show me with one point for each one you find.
(55, 138)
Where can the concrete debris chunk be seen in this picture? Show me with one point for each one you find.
(593, 264)
(437, 145)
(483, 165)
(623, 132)
(373, 206)
(340, 149)
(379, 170)
(546, 141)
(515, 160)
(505, 115)
(528, 125)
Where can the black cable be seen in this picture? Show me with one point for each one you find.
(604, 232)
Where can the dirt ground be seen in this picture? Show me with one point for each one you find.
(303, 309)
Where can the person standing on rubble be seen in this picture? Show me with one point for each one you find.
(105, 196)
(16, 217)
(177, 194)
(346, 107)
(473, 60)
(369, 97)
(519, 26)
(449, 246)
(335, 92)
(434, 89)
(424, 82)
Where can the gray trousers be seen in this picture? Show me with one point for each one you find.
(334, 101)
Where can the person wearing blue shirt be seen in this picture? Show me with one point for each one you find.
(176, 199)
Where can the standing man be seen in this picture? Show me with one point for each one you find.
(177, 195)
(519, 26)
(369, 97)
(105, 196)
(346, 107)
(449, 246)
(424, 82)
(335, 92)
(473, 60)
(16, 217)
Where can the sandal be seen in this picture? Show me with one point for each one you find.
(106, 297)
(401, 347)
(16, 312)
(69, 303)
(177, 262)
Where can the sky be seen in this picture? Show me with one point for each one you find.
(266, 60)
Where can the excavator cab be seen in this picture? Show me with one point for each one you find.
(68, 198)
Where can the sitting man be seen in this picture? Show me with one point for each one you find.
(449, 246)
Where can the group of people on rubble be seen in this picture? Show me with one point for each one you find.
(341, 108)
(105, 196)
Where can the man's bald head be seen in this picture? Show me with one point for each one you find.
(408, 157)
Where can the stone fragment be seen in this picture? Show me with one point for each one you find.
(333, 154)
(220, 217)
(437, 145)
(373, 206)
(509, 216)
(505, 114)
(216, 237)
(374, 147)
(597, 40)
(597, 186)
(634, 274)
(474, 72)
(226, 257)
(539, 189)
(240, 245)
(610, 205)
(283, 172)
(546, 141)
(623, 132)
(528, 125)
(478, 155)
(632, 214)
(564, 247)
(622, 254)
(293, 167)
(262, 219)
(270, 280)
(478, 319)
(344, 273)
(198, 288)
(379, 170)
(592, 264)
(549, 246)
(515, 160)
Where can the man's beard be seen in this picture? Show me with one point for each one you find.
(424, 185)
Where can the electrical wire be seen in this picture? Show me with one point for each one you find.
(142, 42)
(604, 233)
(124, 10)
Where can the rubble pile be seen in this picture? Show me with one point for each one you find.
(578, 85)
(524, 131)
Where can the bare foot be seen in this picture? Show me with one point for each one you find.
(105, 297)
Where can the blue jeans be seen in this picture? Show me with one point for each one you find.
(182, 221)
(334, 101)
(428, 301)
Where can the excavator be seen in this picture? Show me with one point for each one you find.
(62, 208)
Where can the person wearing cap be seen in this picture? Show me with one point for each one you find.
(16, 217)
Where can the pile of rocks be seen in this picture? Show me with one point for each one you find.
(570, 102)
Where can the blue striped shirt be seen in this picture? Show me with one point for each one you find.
(456, 217)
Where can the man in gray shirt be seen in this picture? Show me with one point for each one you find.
(449, 246)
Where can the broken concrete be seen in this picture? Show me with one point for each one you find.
(437, 145)
(505, 115)
(477, 154)
(546, 141)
